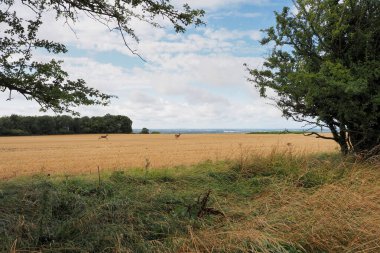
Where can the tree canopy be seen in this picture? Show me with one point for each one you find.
(46, 82)
(45, 125)
(325, 69)
(144, 130)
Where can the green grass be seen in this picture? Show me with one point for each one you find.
(278, 132)
(168, 210)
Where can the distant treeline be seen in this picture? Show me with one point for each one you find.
(44, 125)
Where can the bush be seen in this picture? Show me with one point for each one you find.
(144, 131)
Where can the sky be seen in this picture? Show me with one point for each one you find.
(191, 80)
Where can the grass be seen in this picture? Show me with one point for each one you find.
(279, 202)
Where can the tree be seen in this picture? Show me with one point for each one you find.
(47, 125)
(64, 124)
(144, 131)
(28, 125)
(325, 69)
(46, 82)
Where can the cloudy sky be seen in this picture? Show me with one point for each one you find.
(191, 80)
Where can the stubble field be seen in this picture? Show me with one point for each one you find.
(73, 154)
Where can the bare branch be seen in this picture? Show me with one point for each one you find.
(71, 28)
(10, 95)
(29, 6)
(319, 136)
(126, 44)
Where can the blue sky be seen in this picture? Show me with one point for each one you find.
(191, 80)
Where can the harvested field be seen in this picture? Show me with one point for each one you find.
(72, 154)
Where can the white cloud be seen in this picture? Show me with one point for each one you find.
(236, 14)
(156, 98)
(156, 43)
(195, 80)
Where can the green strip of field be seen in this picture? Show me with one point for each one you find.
(278, 132)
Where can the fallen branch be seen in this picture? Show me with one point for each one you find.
(202, 208)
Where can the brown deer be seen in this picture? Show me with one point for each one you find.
(177, 135)
(103, 137)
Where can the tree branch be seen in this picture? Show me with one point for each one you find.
(126, 44)
(319, 136)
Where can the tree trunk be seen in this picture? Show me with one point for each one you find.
(340, 137)
(364, 140)
(344, 146)
(363, 143)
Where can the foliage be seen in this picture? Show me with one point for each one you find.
(46, 82)
(144, 131)
(275, 203)
(43, 125)
(325, 68)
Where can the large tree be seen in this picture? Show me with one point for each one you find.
(324, 67)
(45, 81)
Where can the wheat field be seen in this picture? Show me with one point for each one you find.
(74, 154)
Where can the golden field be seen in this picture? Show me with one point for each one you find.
(72, 154)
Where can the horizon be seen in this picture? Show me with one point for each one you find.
(229, 130)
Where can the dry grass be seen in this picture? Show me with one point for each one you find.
(340, 216)
(72, 154)
(270, 202)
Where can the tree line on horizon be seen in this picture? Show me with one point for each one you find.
(16, 125)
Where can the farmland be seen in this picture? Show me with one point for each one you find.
(82, 154)
(202, 193)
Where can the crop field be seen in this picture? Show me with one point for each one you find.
(76, 154)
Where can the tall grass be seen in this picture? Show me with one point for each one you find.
(280, 202)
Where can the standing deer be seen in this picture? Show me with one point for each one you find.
(177, 135)
(103, 137)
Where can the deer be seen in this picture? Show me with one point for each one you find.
(177, 135)
(103, 137)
